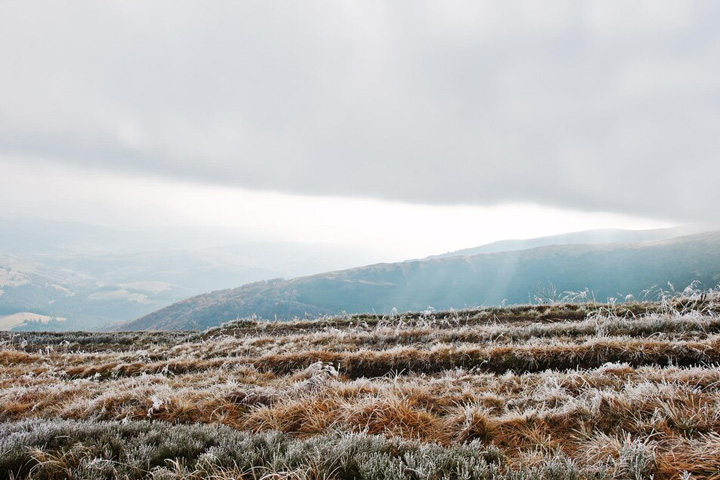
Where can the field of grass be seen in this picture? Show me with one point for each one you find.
(571, 391)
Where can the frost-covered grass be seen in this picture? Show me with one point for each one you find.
(553, 391)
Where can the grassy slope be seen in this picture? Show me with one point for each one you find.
(459, 282)
(558, 391)
(573, 238)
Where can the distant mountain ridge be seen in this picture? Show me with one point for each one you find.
(586, 237)
(95, 277)
(606, 270)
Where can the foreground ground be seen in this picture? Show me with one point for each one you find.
(562, 391)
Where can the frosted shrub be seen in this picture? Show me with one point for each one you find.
(637, 459)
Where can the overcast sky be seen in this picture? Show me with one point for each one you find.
(412, 124)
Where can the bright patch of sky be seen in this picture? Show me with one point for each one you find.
(394, 230)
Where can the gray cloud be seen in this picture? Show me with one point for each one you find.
(602, 105)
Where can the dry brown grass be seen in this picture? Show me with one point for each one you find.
(599, 389)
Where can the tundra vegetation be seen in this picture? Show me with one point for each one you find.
(556, 391)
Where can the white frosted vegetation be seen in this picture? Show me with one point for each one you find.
(555, 391)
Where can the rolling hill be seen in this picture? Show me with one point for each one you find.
(544, 273)
(68, 276)
(585, 237)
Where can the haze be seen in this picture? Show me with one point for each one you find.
(407, 127)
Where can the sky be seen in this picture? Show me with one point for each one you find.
(410, 127)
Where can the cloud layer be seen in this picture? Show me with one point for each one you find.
(594, 105)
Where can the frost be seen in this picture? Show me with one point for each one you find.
(156, 404)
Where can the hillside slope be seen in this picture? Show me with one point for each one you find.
(67, 276)
(585, 237)
(582, 391)
(611, 270)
